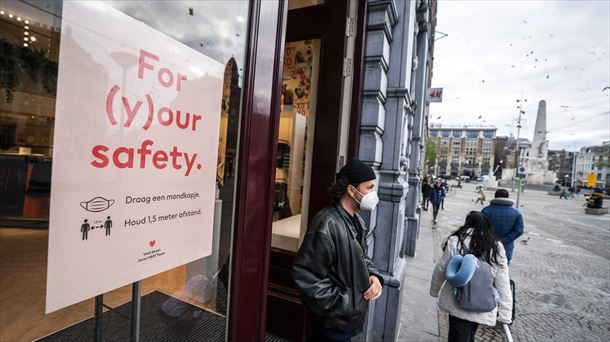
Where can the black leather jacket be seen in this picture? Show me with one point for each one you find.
(331, 271)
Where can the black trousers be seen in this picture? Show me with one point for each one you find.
(425, 202)
(435, 209)
(331, 335)
(461, 330)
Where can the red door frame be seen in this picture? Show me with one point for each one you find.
(256, 164)
(256, 171)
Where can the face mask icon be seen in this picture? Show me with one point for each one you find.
(97, 204)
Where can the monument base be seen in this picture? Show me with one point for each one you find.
(596, 211)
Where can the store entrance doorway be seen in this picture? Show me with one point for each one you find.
(308, 147)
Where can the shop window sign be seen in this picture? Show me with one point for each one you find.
(135, 154)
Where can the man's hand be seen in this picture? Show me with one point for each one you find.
(375, 290)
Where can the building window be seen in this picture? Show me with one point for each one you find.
(488, 134)
(457, 134)
(456, 150)
(446, 134)
(456, 142)
(472, 134)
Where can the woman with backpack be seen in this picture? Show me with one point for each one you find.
(476, 237)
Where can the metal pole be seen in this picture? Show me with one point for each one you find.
(518, 154)
(135, 312)
(99, 306)
(518, 193)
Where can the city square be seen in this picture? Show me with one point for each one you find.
(560, 266)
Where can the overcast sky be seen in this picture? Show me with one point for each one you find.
(556, 51)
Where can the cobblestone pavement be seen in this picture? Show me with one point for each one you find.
(561, 266)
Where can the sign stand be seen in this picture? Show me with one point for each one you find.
(135, 313)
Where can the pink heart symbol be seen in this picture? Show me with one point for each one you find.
(152, 242)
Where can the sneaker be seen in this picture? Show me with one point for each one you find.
(434, 221)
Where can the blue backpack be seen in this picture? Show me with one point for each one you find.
(472, 281)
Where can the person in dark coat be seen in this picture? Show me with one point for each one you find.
(426, 189)
(437, 195)
(332, 271)
(507, 221)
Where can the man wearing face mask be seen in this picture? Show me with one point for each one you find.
(332, 271)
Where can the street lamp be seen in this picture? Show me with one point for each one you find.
(518, 154)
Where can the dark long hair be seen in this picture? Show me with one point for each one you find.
(339, 188)
(483, 241)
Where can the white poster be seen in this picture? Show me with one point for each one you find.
(135, 152)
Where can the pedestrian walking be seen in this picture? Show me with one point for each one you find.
(437, 195)
(507, 221)
(477, 237)
(564, 193)
(332, 272)
(480, 195)
(426, 189)
(446, 187)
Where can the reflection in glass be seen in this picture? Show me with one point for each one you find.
(181, 298)
(295, 142)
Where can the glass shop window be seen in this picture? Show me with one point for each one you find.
(188, 302)
(295, 142)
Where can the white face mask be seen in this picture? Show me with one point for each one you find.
(369, 201)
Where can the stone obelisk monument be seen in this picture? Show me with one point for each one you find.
(537, 164)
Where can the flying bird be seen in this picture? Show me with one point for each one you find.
(606, 88)
(439, 117)
(525, 21)
(547, 76)
(480, 116)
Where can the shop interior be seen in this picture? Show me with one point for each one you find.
(294, 150)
